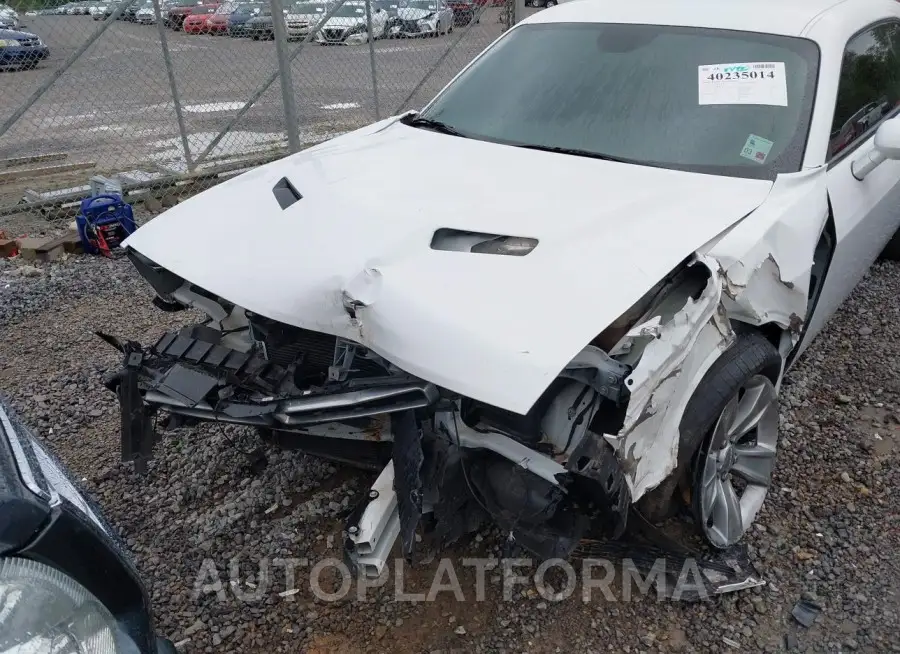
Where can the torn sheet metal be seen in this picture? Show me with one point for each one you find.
(671, 366)
(766, 259)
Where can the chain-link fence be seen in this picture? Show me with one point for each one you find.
(163, 97)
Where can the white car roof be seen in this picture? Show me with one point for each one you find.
(785, 17)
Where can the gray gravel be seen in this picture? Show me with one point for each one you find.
(828, 532)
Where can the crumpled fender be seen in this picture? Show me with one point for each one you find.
(759, 274)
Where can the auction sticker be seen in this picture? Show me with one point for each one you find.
(757, 148)
(749, 83)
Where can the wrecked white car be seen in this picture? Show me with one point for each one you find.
(557, 355)
(349, 24)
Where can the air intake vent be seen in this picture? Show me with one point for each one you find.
(285, 193)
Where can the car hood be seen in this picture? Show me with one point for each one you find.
(16, 35)
(412, 13)
(309, 18)
(343, 22)
(495, 328)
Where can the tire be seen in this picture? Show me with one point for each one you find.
(550, 3)
(749, 355)
(891, 251)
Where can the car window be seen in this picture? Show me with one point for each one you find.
(869, 86)
(703, 100)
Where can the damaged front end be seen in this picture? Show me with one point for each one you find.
(602, 434)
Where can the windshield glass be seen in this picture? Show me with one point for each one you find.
(666, 96)
(249, 8)
(308, 8)
(420, 4)
(345, 11)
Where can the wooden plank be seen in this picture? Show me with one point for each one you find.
(28, 247)
(67, 241)
(38, 158)
(12, 175)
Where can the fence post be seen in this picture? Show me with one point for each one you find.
(372, 58)
(287, 79)
(170, 71)
(518, 11)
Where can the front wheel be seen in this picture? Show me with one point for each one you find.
(736, 409)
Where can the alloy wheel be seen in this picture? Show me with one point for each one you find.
(734, 471)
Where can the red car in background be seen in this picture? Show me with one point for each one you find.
(197, 22)
(218, 22)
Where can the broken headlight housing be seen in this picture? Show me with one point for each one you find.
(44, 610)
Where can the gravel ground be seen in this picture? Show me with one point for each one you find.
(829, 530)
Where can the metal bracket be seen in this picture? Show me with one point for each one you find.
(372, 534)
(344, 352)
(595, 368)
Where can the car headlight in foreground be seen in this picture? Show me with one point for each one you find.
(44, 610)
(8, 43)
(67, 583)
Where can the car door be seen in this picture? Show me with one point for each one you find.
(867, 211)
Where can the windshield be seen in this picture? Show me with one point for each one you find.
(308, 8)
(421, 4)
(704, 100)
(346, 11)
(249, 8)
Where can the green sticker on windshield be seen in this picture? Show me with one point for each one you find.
(757, 148)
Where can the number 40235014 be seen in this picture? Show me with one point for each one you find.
(742, 74)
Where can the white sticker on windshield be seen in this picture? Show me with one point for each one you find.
(757, 148)
(748, 83)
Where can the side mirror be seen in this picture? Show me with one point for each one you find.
(887, 138)
(887, 146)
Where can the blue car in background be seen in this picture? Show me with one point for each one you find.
(21, 49)
(243, 12)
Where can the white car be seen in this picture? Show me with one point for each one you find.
(302, 17)
(545, 354)
(348, 25)
(145, 15)
(423, 18)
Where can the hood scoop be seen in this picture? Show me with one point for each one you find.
(456, 240)
(285, 193)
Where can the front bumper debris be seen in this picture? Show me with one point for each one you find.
(190, 374)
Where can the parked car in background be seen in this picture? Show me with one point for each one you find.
(424, 18)
(67, 581)
(97, 11)
(392, 7)
(259, 27)
(244, 11)
(146, 14)
(177, 14)
(130, 12)
(9, 17)
(196, 22)
(111, 9)
(349, 25)
(302, 17)
(465, 11)
(9, 21)
(218, 22)
(21, 49)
